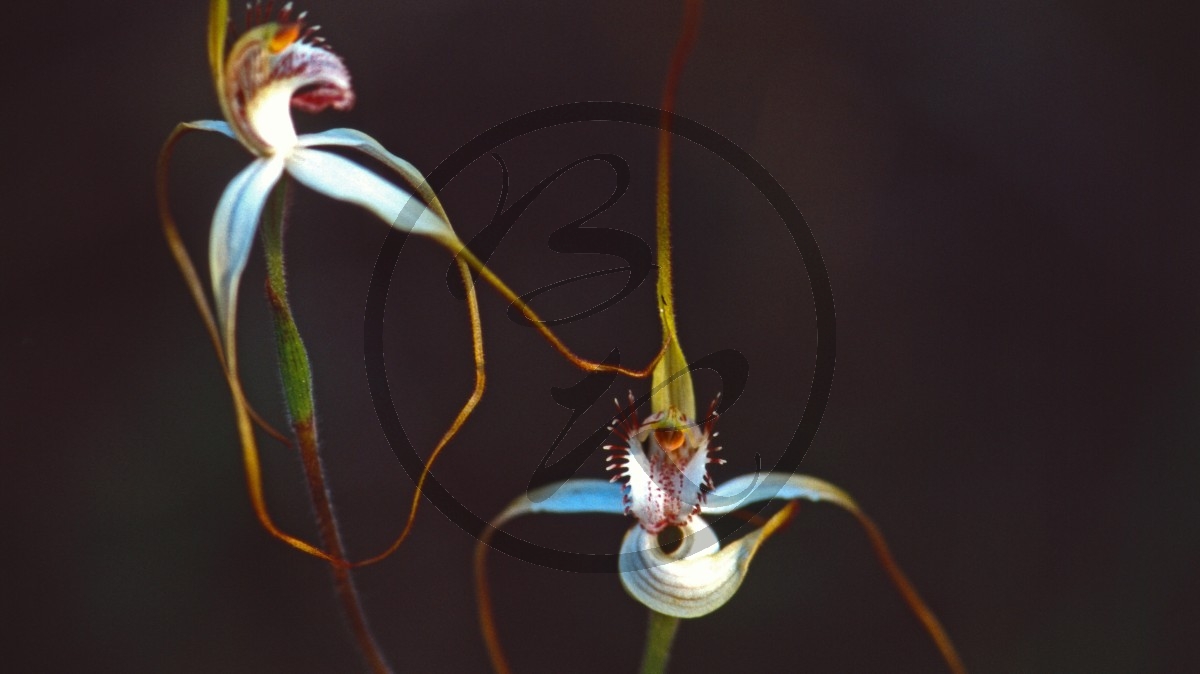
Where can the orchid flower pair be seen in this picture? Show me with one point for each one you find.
(662, 460)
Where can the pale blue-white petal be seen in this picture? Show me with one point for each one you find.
(353, 138)
(571, 496)
(344, 180)
(746, 489)
(232, 236)
(367, 145)
(211, 125)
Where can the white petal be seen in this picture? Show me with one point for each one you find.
(344, 180)
(572, 496)
(211, 125)
(694, 580)
(746, 489)
(232, 236)
(643, 496)
(360, 141)
(367, 145)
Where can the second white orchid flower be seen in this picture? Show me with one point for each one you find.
(662, 481)
(278, 64)
(671, 560)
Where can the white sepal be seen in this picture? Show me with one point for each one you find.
(571, 496)
(212, 125)
(756, 487)
(344, 180)
(232, 235)
(367, 145)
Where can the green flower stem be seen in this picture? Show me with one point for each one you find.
(660, 633)
(293, 358)
(296, 373)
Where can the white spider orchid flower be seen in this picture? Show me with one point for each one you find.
(662, 481)
(671, 561)
(275, 65)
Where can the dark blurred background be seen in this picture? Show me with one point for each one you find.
(1005, 197)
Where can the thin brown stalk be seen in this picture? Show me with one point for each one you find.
(331, 540)
(928, 620)
(487, 623)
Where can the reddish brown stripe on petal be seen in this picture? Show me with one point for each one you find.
(323, 96)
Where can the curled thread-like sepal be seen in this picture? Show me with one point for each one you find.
(747, 489)
(698, 577)
(572, 496)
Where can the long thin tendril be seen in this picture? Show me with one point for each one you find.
(483, 598)
(466, 262)
(459, 420)
(418, 183)
(244, 414)
(530, 315)
(906, 589)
